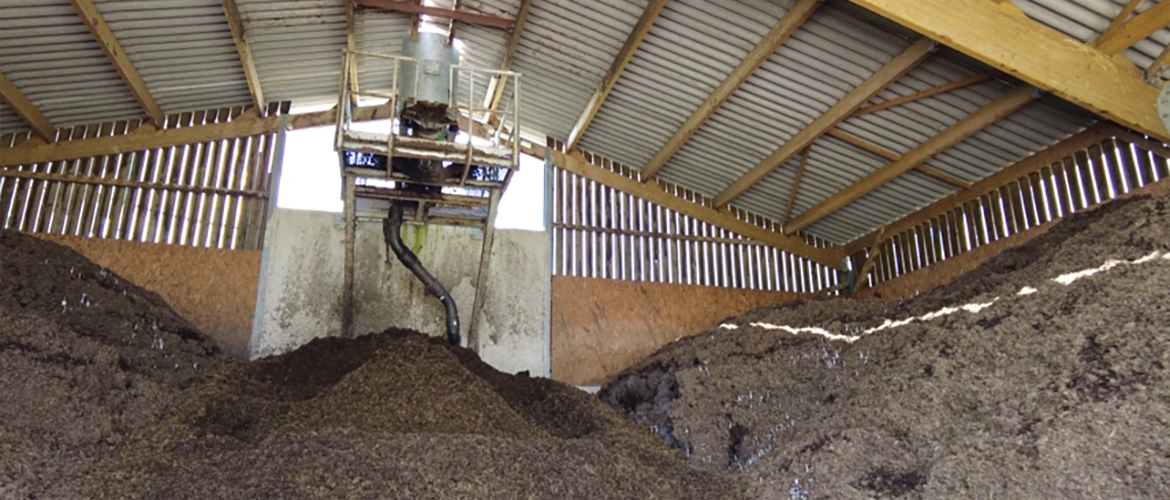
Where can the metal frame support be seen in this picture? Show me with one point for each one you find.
(347, 302)
(485, 259)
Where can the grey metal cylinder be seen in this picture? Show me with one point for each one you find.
(434, 72)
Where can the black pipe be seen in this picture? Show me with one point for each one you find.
(392, 232)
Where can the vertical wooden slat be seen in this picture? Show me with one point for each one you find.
(953, 242)
(1017, 204)
(1051, 189)
(1100, 175)
(1114, 168)
(1146, 166)
(1039, 214)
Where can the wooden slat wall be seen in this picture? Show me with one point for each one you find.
(599, 232)
(1084, 178)
(211, 194)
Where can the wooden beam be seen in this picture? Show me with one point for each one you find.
(1120, 37)
(105, 38)
(451, 24)
(891, 156)
(1032, 52)
(351, 45)
(875, 249)
(498, 84)
(944, 177)
(877, 82)
(575, 164)
(458, 15)
(972, 124)
(796, 184)
(232, 12)
(941, 89)
(105, 181)
(1118, 21)
(1153, 73)
(1078, 142)
(762, 51)
(148, 137)
(856, 141)
(26, 110)
(633, 40)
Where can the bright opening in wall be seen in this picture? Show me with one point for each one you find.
(311, 178)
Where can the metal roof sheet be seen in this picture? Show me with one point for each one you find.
(1085, 20)
(297, 46)
(9, 122)
(183, 49)
(49, 54)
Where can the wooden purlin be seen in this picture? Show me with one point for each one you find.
(1028, 50)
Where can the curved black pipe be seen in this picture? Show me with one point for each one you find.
(392, 232)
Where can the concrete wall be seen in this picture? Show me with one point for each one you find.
(215, 290)
(302, 276)
(600, 327)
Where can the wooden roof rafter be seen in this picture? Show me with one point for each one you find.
(629, 47)
(1123, 33)
(931, 92)
(1092, 135)
(236, 24)
(26, 110)
(1026, 49)
(457, 15)
(497, 84)
(105, 38)
(784, 29)
(882, 78)
(964, 129)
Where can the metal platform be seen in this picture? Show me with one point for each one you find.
(468, 179)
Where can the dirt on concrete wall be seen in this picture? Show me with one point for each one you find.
(600, 327)
(213, 289)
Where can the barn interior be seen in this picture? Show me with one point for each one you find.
(801, 249)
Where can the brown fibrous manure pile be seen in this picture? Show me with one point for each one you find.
(1038, 388)
(107, 393)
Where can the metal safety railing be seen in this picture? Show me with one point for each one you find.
(498, 155)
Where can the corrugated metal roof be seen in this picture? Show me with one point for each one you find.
(49, 54)
(297, 45)
(692, 48)
(564, 52)
(183, 49)
(9, 122)
(1085, 20)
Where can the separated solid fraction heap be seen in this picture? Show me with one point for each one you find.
(1041, 374)
(107, 393)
